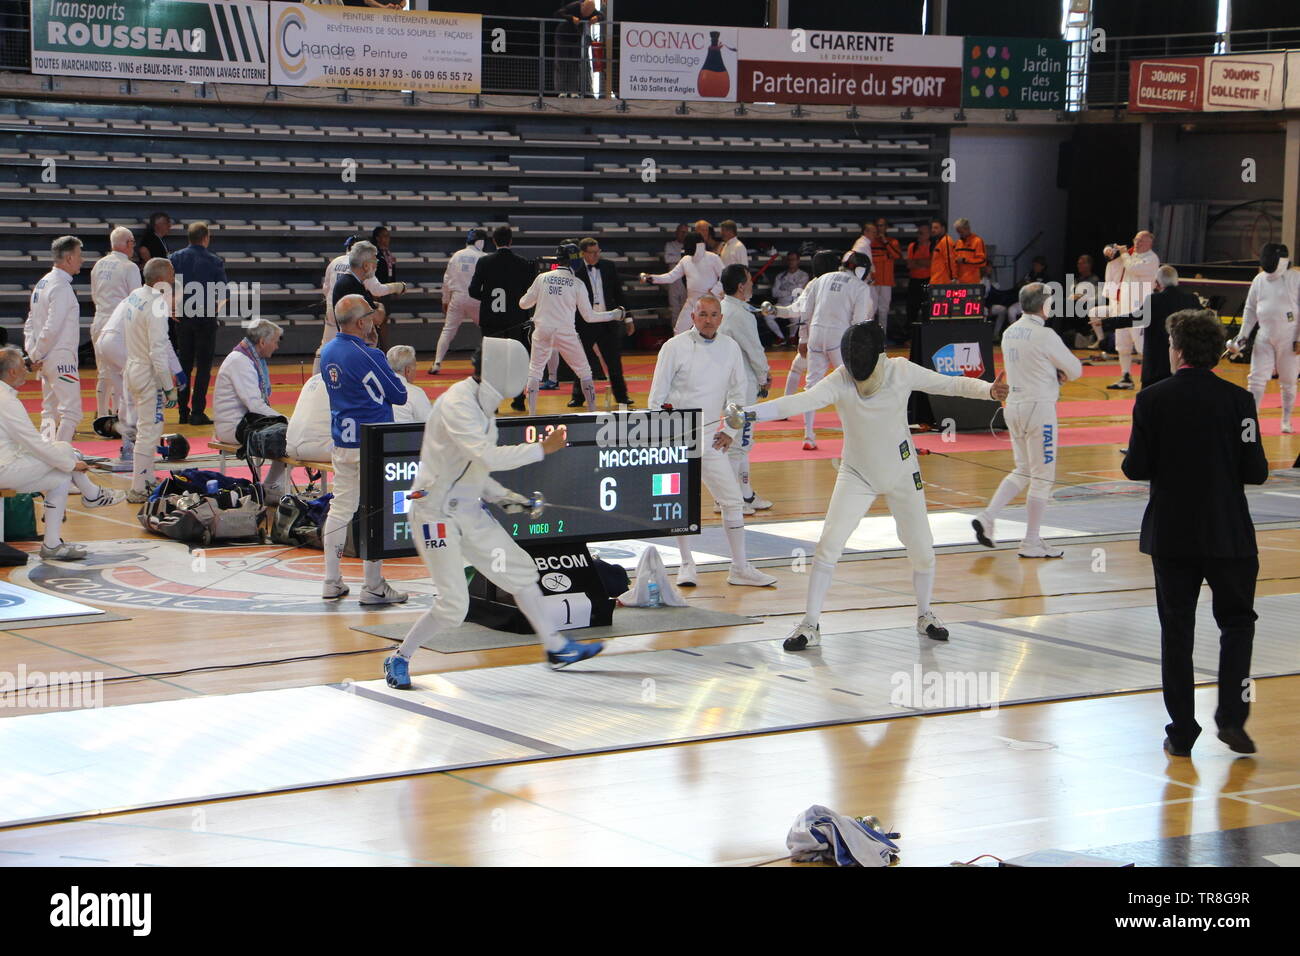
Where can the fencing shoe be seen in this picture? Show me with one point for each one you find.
(686, 575)
(983, 526)
(755, 503)
(1125, 383)
(107, 497)
(397, 671)
(572, 653)
(927, 625)
(334, 589)
(803, 637)
(63, 551)
(1039, 549)
(140, 497)
(810, 444)
(750, 576)
(386, 594)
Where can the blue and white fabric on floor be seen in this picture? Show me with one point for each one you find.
(820, 835)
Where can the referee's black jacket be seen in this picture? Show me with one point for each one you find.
(500, 280)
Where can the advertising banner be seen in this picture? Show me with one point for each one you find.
(1231, 82)
(660, 61)
(373, 48)
(863, 69)
(213, 41)
(1011, 73)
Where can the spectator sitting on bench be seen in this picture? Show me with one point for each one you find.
(31, 463)
(401, 359)
(243, 386)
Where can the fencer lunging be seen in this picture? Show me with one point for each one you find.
(701, 369)
(449, 517)
(1037, 362)
(1274, 304)
(870, 392)
(557, 295)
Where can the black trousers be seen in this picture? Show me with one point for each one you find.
(915, 301)
(196, 343)
(1178, 584)
(609, 337)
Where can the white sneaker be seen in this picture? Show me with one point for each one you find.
(107, 498)
(983, 526)
(1039, 549)
(757, 504)
(1286, 427)
(927, 625)
(63, 551)
(686, 575)
(746, 508)
(803, 637)
(332, 590)
(386, 594)
(810, 444)
(750, 576)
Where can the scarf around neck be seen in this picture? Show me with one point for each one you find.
(263, 372)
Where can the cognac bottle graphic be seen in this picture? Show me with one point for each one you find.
(713, 80)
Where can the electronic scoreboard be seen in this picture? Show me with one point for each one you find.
(623, 475)
(956, 302)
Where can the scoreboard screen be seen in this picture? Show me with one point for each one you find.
(956, 302)
(623, 475)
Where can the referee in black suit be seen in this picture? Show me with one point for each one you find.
(606, 292)
(1167, 299)
(1196, 439)
(500, 279)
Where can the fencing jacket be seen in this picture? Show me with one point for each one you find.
(308, 435)
(877, 442)
(1032, 353)
(1137, 280)
(557, 295)
(1273, 303)
(54, 320)
(460, 269)
(733, 252)
(417, 405)
(19, 439)
(147, 344)
(694, 372)
(337, 267)
(113, 278)
(460, 447)
(741, 325)
(830, 304)
(236, 394)
(702, 270)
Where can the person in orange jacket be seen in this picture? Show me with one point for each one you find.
(971, 259)
(943, 255)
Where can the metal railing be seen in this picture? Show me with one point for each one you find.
(1107, 71)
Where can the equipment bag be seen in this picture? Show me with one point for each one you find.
(199, 507)
(20, 518)
(262, 436)
(299, 520)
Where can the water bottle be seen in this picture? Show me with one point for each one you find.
(653, 591)
(213, 486)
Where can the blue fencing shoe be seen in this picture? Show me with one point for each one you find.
(571, 653)
(397, 671)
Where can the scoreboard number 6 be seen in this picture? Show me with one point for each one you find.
(608, 494)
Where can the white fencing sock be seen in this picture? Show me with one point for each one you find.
(1010, 487)
(819, 582)
(530, 602)
(589, 392)
(809, 433)
(374, 574)
(1033, 525)
(553, 367)
(533, 386)
(56, 506)
(736, 539)
(684, 551)
(797, 368)
(923, 585)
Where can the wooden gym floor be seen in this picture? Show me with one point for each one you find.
(1073, 774)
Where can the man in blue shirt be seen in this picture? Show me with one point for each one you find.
(202, 296)
(362, 390)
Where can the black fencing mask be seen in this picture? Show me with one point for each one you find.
(825, 261)
(861, 348)
(1272, 255)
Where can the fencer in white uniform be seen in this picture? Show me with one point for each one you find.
(700, 368)
(703, 273)
(740, 324)
(1273, 303)
(870, 391)
(458, 306)
(150, 383)
(830, 304)
(308, 435)
(401, 359)
(673, 252)
(112, 279)
(1127, 288)
(1037, 362)
(556, 296)
(50, 339)
(449, 519)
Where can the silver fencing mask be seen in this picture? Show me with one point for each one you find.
(1273, 257)
(861, 348)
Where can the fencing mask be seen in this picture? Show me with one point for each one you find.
(861, 348)
(824, 261)
(174, 448)
(859, 264)
(1273, 258)
(476, 238)
(503, 364)
(567, 251)
(106, 426)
